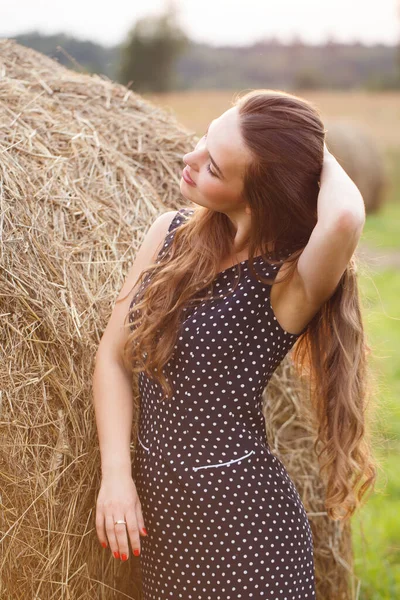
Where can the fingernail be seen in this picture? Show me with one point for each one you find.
(144, 531)
(136, 552)
(124, 556)
(104, 544)
(116, 554)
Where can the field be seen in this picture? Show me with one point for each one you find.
(379, 113)
(376, 528)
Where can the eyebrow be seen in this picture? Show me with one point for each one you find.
(213, 161)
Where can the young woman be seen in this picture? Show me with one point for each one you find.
(261, 260)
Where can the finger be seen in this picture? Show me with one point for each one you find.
(122, 537)
(133, 532)
(140, 519)
(100, 528)
(110, 529)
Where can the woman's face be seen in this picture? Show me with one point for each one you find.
(216, 166)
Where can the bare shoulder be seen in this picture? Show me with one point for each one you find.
(149, 249)
(116, 331)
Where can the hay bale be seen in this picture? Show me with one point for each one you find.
(86, 167)
(358, 154)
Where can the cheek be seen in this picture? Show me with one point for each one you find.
(211, 186)
(220, 194)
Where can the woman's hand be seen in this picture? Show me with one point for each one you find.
(118, 500)
(328, 158)
(327, 154)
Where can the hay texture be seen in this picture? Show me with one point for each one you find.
(86, 166)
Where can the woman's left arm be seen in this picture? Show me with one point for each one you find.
(339, 197)
(341, 218)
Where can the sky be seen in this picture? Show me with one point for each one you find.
(215, 22)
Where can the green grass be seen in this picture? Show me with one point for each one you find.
(376, 531)
(382, 229)
(376, 526)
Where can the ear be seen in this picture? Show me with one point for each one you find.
(247, 210)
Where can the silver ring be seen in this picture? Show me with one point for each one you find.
(116, 522)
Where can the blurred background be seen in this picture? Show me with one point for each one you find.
(192, 57)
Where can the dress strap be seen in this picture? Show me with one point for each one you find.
(181, 215)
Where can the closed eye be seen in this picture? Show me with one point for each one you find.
(209, 170)
(208, 166)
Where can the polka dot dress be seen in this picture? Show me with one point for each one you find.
(224, 520)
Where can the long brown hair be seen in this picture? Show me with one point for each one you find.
(285, 136)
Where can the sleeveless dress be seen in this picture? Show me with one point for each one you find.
(224, 519)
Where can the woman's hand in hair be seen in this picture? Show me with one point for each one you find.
(327, 154)
(327, 159)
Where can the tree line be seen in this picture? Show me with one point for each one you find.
(157, 56)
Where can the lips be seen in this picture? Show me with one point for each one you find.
(187, 177)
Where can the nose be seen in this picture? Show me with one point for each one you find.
(188, 158)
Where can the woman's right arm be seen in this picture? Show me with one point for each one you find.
(113, 404)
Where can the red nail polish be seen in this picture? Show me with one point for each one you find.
(136, 552)
(124, 556)
(116, 554)
(144, 531)
(104, 544)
